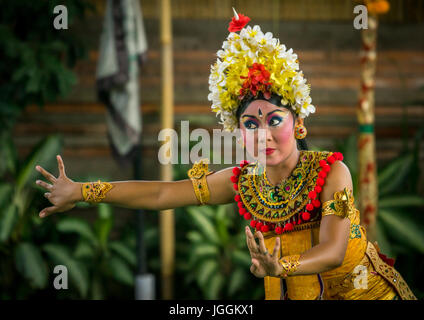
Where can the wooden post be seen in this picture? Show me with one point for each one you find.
(166, 218)
(368, 184)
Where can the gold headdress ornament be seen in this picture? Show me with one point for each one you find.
(251, 62)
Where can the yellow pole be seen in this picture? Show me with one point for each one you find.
(166, 217)
(368, 184)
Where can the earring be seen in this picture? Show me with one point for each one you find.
(300, 131)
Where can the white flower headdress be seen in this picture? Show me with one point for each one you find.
(251, 62)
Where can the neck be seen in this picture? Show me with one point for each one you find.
(281, 171)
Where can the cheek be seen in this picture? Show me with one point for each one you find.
(283, 134)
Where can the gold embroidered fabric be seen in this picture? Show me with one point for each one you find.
(94, 192)
(299, 287)
(285, 201)
(343, 204)
(197, 175)
(371, 279)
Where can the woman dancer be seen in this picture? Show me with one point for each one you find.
(300, 202)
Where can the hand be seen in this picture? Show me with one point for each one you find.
(63, 192)
(263, 263)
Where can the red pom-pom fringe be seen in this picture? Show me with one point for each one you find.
(305, 216)
(316, 203)
(236, 171)
(309, 207)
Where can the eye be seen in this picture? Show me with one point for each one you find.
(275, 121)
(251, 125)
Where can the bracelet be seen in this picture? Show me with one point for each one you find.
(197, 175)
(289, 264)
(342, 205)
(94, 192)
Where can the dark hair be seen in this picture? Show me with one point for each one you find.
(276, 100)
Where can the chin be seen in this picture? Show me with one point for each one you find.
(274, 159)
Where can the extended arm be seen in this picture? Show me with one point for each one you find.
(63, 193)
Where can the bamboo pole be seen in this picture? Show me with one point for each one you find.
(368, 184)
(166, 217)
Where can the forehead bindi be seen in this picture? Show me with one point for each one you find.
(263, 109)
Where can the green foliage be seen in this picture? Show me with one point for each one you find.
(36, 58)
(31, 247)
(218, 261)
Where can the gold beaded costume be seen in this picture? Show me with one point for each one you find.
(363, 275)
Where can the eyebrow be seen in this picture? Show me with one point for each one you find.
(248, 115)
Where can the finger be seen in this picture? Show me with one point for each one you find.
(44, 184)
(46, 174)
(48, 211)
(254, 267)
(47, 195)
(61, 166)
(251, 243)
(262, 246)
(276, 248)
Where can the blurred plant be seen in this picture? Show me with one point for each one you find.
(30, 246)
(217, 259)
(95, 259)
(400, 226)
(36, 58)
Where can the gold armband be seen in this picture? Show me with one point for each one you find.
(197, 175)
(94, 192)
(342, 205)
(289, 264)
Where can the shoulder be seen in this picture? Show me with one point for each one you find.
(337, 179)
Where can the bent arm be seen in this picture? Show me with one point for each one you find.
(334, 230)
(161, 195)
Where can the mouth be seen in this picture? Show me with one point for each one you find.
(268, 151)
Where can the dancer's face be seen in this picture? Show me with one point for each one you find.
(277, 141)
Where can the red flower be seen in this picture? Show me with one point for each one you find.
(236, 25)
(257, 80)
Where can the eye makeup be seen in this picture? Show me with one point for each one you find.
(276, 117)
(273, 119)
(250, 123)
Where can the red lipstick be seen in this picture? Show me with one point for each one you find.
(268, 151)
